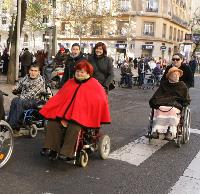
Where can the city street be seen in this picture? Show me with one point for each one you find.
(134, 166)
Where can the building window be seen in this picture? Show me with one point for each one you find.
(96, 28)
(45, 19)
(152, 5)
(174, 37)
(122, 28)
(181, 36)
(4, 20)
(170, 32)
(124, 5)
(80, 28)
(178, 36)
(148, 29)
(4, 10)
(25, 37)
(164, 31)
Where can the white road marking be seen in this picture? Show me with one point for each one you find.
(197, 131)
(189, 183)
(139, 150)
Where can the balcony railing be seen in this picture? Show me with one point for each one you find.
(148, 33)
(148, 9)
(179, 20)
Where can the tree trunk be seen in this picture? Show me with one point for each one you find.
(12, 66)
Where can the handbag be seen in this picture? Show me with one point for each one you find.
(111, 85)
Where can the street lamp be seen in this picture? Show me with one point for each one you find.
(18, 38)
(54, 39)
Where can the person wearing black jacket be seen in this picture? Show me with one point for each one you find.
(2, 112)
(102, 64)
(177, 61)
(74, 57)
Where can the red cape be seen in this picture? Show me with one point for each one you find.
(85, 103)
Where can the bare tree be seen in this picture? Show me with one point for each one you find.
(36, 11)
(80, 15)
(12, 66)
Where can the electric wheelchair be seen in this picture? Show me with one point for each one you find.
(33, 121)
(90, 141)
(182, 130)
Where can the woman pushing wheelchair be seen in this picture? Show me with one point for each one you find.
(80, 103)
(167, 102)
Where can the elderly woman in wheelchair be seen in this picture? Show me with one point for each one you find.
(75, 113)
(170, 108)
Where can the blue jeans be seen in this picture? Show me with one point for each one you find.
(17, 108)
(141, 78)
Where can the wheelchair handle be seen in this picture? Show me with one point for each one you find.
(4, 94)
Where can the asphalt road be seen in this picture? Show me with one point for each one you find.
(28, 172)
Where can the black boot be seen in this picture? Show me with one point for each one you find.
(53, 155)
(45, 152)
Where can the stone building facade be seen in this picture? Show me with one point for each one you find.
(135, 28)
(142, 28)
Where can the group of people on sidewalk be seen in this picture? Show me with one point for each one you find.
(82, 100)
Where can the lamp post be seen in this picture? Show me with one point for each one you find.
(54, 38)
(18, 38)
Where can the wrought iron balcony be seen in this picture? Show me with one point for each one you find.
(149, 9)
(148, 33)
(179, 20)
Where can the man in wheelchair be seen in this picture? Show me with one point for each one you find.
(167, 102)
(27, 89)
(126, 74)
(80, 103)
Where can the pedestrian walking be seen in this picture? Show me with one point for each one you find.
(26, 60)
(102, 64)
(2, 112)
(72, 59)
(5, 58)
(177, 61)
(193, 66)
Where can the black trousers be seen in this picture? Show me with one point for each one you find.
(2, 112)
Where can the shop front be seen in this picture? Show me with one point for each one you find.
(147, 50)
(120, 51)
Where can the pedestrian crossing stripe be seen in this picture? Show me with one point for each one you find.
(189, 183)
(138, 151)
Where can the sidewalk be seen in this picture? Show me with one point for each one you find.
(7, 88)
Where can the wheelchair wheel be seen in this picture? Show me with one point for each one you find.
(6, 143)
(33, 131)
(82, 159)
(186, 126)
(104, 146)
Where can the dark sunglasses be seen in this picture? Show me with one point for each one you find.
(176, 59)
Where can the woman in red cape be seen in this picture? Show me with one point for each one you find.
(81, 102)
